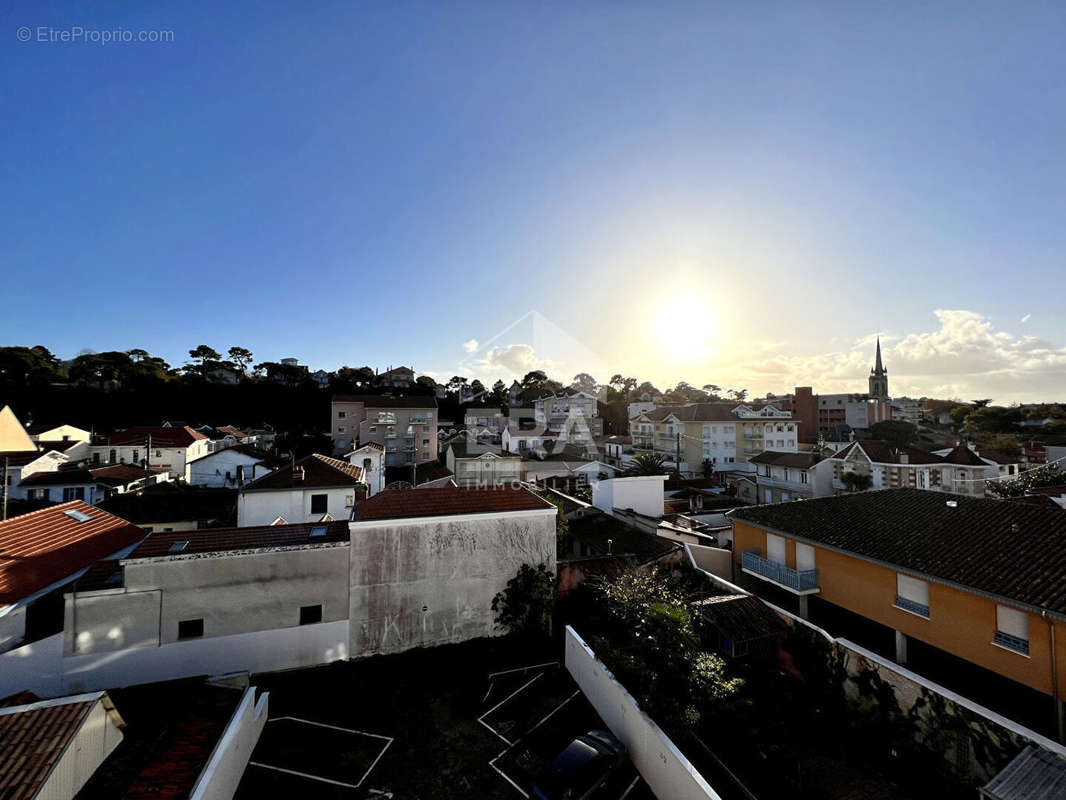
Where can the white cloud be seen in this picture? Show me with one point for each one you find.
(1026, 317)
(470, 346)
(965, 356)
(516, 359)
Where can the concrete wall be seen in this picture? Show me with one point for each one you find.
(262, 507)
(12, 627)
(714, 560)
(223, 772)
(665, 769)
(242, 593)
(431, 580)
(102, 622)
(960, 622)
(644, 494)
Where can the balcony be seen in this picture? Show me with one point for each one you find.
(798, 581)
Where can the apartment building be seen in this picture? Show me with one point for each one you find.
(979, 579)
(478, 465)
(405, 426)
(959, 470)
(573, 416)
(781, 477)
(726, 434)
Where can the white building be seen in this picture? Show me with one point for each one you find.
(170, 447)
(231, 466)
(371, 459)
(61, 433)
(644, 495)
(315, 488)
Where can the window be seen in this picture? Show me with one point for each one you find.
(342, 414)
(112, 457)
(135, 457)
(96, 457)
(309, 615)
(178, 547)
(73, 493)
(319, 503)
(1012, 629)
(190, 628)
(912, 595)
(44, 494)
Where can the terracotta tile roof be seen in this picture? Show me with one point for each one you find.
(46, 546)
(741, 617)
(173, 502)
(316, 470)
(404, 503)
(380, 401)
(799, 460)
(33, 739)
(885, 453)
(121, 474)
(1012, 550)
(229, 430)
(59, 477)
(161, 436)
(20, 458)
(258, 537)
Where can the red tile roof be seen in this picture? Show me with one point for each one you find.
(403, 503)
(161, 437)
(317, 470)
(58, 477)
(33, 739)
(216, 540)
(121, 474)
(46, 546)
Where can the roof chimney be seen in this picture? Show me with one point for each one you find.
(1015, 527)
(298, 473)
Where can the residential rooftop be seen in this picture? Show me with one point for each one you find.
(311, 471)
(447, 501)
(384, 401)
(161, 436)
(42, 548)
(1012, 550)
(219, 540)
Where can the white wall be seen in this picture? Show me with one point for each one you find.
(211, 470)
(449, 566)
(642, 494)
(664, 768)
(263, 506)
(95, 740)
(12, 626)
(223, 772)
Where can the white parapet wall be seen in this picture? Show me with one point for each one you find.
(225, 767)
(664, 768)
(42, 668)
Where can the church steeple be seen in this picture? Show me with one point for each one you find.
(879, 376)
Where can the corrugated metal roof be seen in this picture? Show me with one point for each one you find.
(1034, 774)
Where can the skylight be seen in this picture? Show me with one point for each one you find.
(177, 547)
(77, 516)
(319, 530)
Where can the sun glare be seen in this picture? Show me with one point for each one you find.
(683, 326)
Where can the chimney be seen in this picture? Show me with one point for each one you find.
(298, 474)
(1015, 527)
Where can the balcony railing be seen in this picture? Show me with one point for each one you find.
(1011, 642)
(797, 580)
(913, 607)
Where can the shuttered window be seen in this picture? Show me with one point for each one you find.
(1012, 629)
(912, 595)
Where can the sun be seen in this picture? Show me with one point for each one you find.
(683, 327)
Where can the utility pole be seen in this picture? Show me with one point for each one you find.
(5, 488)
(147, 460)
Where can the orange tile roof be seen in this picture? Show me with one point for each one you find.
(32, 740)
(46, 546)
(402, 503)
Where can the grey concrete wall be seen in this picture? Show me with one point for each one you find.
(103, 622)
(245, 593)
(12, 628)
(451, 568)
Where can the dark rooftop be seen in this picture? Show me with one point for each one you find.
(310, 471)
(741, 617)
(1013, 550)
(213, 540)
(403, 503)
(170, 502)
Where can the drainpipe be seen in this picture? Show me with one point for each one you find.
(1055, 679)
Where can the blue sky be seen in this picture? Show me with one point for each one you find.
(380, 183)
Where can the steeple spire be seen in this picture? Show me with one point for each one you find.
(879, 376)
(877, 365)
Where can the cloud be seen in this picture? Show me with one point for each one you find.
(1026, 317)
(516, 359)
(470, 346)
(964, 356)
